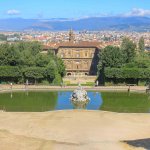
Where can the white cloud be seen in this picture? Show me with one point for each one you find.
(138, 12)
(13, 12)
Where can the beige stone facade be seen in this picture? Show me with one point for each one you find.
(79, 60)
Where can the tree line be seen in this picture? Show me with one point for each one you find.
(24, 61)
(127, 64)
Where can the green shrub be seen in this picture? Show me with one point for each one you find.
(9, 71)
(127, 73)
(10, 74)
(57, 80)
(34, 72)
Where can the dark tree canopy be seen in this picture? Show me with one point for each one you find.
(111, 56)
(31, 62)
(124, 63)
(128, 50)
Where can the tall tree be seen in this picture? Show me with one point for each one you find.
(42, 60)
(9, 55)
(31, 62)
(111, 56)
(128, 48)
(141, 45)
(51, 70)
(61, 67)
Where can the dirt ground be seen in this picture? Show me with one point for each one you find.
(72, 130)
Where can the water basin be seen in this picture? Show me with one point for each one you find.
(48, 101)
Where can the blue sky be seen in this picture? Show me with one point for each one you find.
(72, 8)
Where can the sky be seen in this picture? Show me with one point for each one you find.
(45, 9)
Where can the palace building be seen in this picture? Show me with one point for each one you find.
(80, 58)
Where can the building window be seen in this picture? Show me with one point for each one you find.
(86, 64)
(77, 62)
(86, 54)
(68, 74)
(78, 55)
(69, 54)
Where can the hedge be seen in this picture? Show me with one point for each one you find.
(34, 72)
(127, 73)
(10, 72)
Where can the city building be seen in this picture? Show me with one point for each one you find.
(80, 58)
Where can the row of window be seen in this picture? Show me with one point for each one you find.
(77, 61)
(77, 55)
(78, 66)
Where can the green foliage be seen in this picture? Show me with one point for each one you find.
(51, 70)
(27, 59)
(9, 72)
(44, 82)
(57, 80)
(128, 50)
(127, 73)
(111, 56)
(34, 72)
(42, 60)
(3, 37)
(59, 64)
(32, 63)
(141, 45)
(8, 55)
(113, 73)
(124, 64)
(142, 60)
(61, 67)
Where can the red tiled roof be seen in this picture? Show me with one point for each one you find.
(79, 44)
(75, 44)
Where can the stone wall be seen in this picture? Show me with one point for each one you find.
(79, 60)
(79, 79)
(76, 52)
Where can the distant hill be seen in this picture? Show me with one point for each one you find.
(91, 24)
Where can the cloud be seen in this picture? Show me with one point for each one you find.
(13, 12)
(138, 12)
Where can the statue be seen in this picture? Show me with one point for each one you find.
(80, 98)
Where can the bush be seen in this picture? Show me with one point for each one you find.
(57, 80)
(127, 73)
(35, 73)
(44, 82)
(10, 74)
